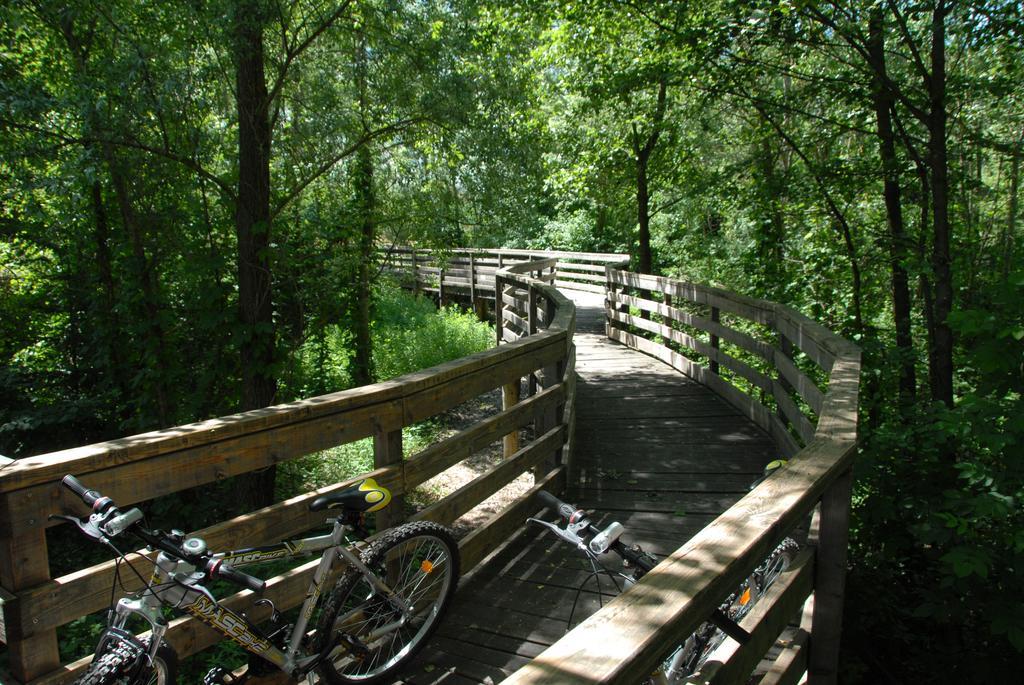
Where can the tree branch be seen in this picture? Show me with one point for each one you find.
(65, 139)
(331, 162)
(293, 53)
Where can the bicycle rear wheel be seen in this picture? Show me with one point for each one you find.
(366, 633)
(778, 561)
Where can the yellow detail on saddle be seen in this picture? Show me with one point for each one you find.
(377, 495)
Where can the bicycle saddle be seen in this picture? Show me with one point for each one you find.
(364, 496)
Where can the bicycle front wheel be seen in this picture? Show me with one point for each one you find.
(369, 635)
(120, 664)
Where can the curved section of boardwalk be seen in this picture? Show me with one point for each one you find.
(655, 451)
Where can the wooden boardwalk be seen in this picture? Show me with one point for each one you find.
(655, 451)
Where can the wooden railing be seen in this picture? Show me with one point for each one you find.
(141, 467)
(471, 272)
(763, 358)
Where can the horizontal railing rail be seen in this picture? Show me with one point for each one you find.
(139, 468)
(799, 382)
(471, 272)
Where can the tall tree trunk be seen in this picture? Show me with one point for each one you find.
(362, 186)
(927, 292)
(252, 229)
(643, 214)
(642, 157)
(156, 357)
(771, 230)
(941, 354)
(155, 338)
(110, 321)
(362, 361)
(1011, 210)
(898, 248)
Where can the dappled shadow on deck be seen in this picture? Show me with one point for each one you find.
(655, 451)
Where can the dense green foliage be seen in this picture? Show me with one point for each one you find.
(218, 177)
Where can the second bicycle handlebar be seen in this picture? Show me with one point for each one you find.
(214, 567)
(573, 514)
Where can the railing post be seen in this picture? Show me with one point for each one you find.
(472, 280)
(609, 292)
(549, 418)
(415, 275)
(830, 581)
(531, 315)
(387, 451)
(509, 398)
(24, 562)
(786, 349)
(666, 299)
(440, 289)
(716, 316)
(568, 412)
(499, 309)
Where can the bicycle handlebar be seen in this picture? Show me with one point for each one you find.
(569, 513)
(114, 522)
(90, 497)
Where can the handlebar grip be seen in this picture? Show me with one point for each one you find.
(551, 502)
(90, 497)
(218, 569)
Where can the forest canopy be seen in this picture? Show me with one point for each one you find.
(225, 177)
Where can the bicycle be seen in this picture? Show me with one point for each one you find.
(379, 614)
(688, 658)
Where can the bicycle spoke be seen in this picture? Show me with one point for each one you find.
(421, 571)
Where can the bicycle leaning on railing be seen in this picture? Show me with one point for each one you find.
(688, 658)
(380, 612)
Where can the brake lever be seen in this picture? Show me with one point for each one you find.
(88, 527)
(567, 535)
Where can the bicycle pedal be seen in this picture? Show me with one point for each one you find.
(219, 676)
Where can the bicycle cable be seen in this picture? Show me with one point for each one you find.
(122, 557)
(596, 569)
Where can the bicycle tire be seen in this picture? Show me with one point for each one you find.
(117, 666)
(691, 656)
(778, 561)
(404, 558)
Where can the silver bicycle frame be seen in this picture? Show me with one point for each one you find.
(176, 582)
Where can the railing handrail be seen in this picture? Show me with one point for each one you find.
(472, 271)
(596, 257)
(625, 641)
